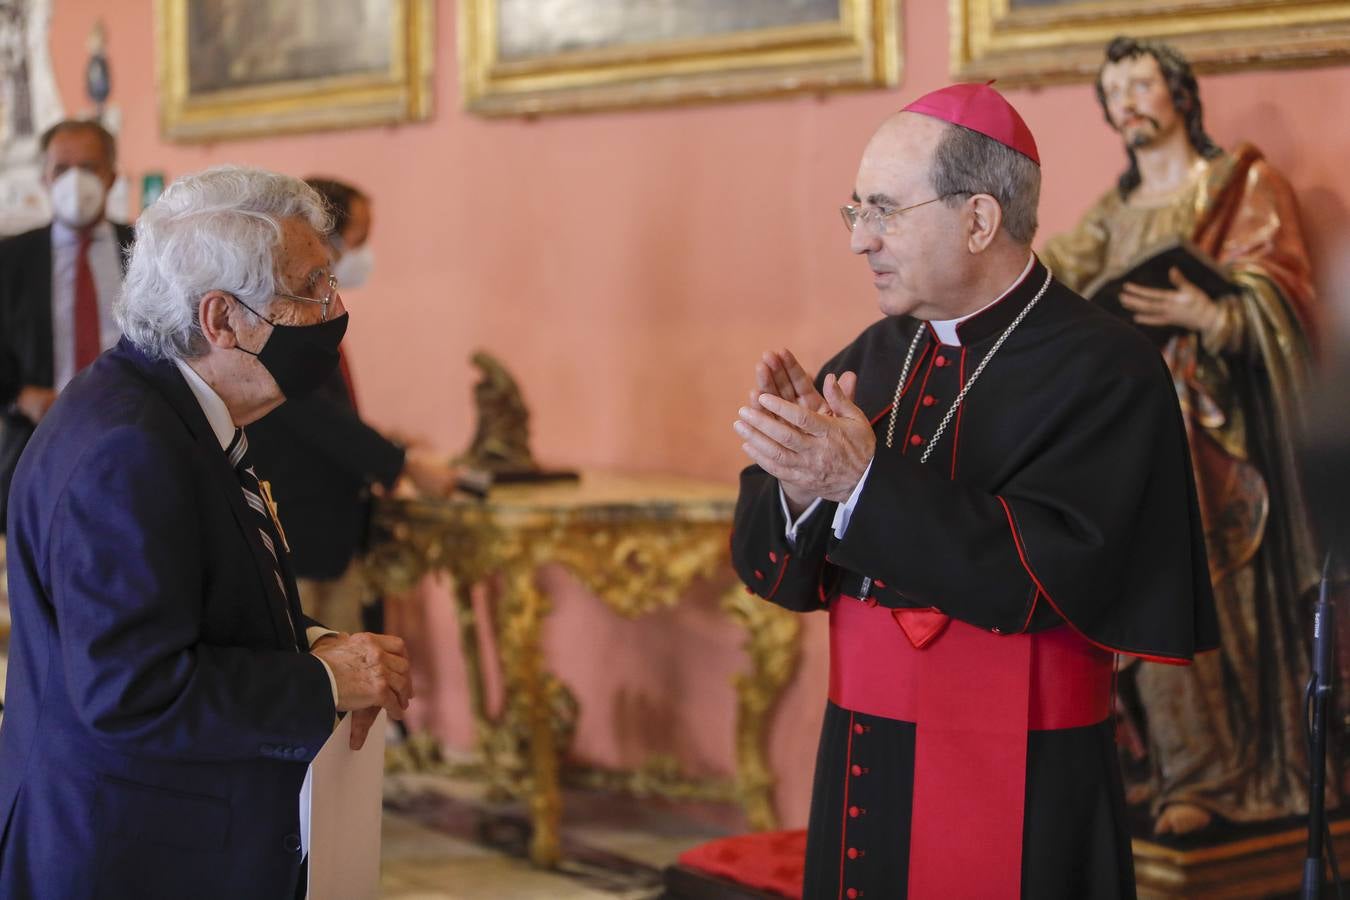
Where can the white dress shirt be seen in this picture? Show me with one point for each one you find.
(222, 426)
(107, 271)
(946, 331)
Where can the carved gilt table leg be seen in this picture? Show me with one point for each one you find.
(527, 709)
(467, 622)
(773, 642)
(399, 558)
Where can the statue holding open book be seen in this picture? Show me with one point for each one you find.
(1201, 248)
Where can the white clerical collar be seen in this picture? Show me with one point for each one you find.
(945, 329)
(217, 414)
(63, 235)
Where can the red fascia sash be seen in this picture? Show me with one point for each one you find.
(973, 696)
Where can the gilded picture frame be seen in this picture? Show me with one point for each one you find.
(621, 56)
(1030, 42)
(235, 68)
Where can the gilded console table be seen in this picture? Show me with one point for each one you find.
(637, 542)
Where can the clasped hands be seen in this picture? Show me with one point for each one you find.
(816, 444)
(372, 673)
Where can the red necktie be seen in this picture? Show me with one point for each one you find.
(87, 331)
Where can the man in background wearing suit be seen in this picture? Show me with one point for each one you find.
(58, 285)
(165, 691)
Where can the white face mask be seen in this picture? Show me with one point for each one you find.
(77, 197)
(353, 267)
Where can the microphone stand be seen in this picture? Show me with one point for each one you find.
(1319, 694)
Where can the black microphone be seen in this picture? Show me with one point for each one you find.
(1319, 695)
(1324, 636)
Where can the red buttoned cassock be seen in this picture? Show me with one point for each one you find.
(976, 602)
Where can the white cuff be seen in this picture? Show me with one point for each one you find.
(787, 516)
(312, 634)
(845, 510)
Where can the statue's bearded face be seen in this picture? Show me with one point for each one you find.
(1138, 100)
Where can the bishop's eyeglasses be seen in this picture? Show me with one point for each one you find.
(879, 221)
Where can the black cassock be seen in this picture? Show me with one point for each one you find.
(1055, 523)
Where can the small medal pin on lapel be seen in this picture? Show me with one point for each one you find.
(266, 488)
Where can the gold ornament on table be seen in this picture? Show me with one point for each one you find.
(501, 440)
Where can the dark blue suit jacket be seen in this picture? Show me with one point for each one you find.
(159, 714)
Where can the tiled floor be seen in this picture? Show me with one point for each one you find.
(442, 840)
(420, 864)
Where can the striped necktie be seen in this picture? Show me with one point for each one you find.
(269, 530)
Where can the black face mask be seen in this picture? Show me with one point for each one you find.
(300, 357)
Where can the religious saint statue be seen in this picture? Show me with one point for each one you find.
(1225, 736)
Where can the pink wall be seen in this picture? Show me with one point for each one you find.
(629, 267)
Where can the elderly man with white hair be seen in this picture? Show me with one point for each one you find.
(165, 690)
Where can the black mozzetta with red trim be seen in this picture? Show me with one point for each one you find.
(1061, 492)
(1072, 496)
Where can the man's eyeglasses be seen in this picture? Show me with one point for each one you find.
(323, 302)
(882, 222)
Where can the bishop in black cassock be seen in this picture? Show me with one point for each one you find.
(989, 492)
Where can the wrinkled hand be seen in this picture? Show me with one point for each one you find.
(1185, 306)
(812, 454)
(429, 474)
(33, 402)
(372, 673)
(779, 373)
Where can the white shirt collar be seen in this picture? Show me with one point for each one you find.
(217, 414)
(63, 235)
(946, 328)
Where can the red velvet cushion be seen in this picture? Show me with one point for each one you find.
(768, 861)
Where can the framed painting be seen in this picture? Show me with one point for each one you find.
(1027, 42)
(528, 57)
(229, 68)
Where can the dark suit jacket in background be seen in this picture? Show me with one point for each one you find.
(159, 712)
(321, 460)
(26, 333)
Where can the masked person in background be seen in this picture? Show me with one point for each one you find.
(350, 238)
(58, 285)
(324, 461)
